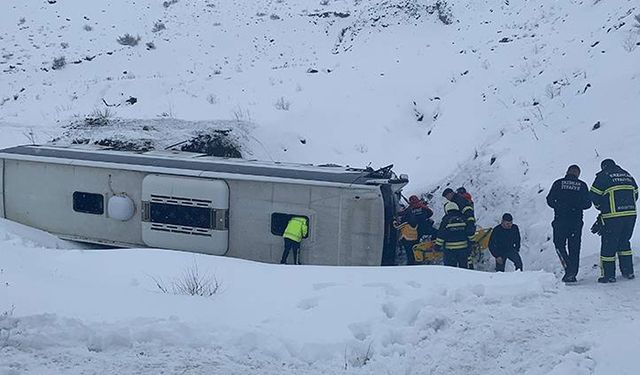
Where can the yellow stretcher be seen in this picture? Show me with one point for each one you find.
(424, 252)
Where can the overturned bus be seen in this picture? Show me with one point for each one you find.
(194, 202)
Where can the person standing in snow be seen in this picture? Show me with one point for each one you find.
(569, 197)
(462, 192)
(296, 230)
(466, 209)
(419, 214)
(452, 238)
(465, 194)
(614, 193)
(504, 243)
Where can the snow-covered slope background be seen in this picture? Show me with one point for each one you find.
(497, 95)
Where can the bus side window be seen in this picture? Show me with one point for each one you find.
(279, 223)
(88, 203)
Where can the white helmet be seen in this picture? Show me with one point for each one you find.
(451, 206)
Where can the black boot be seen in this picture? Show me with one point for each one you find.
(605, 280)
(626, 266)
(569, 279)
(608, 271)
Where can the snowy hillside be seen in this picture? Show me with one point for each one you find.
(497, 95)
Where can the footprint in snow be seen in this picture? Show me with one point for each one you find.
(320, 286)
(360, 331)
(389, 289)
(414, 284)
(389, 309)
(308, 304)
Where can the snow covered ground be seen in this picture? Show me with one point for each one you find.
(497, 95)
(87, 311)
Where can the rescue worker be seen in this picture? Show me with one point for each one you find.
(297, 229)
(465, 194)
(614, 193)
(419, 214)
(466, 209)
(569, 197)
(452, 238)
(407, 238)
(505, 243)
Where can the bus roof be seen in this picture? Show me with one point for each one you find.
(202, 162)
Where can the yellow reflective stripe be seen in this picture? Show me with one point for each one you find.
(456, 245)
(597, 191)
(619, 214)
(625, 253)
(619, 187)
(466, 209)
(439, 241)
(456, 225)
(607, 259)
(471, 218)
(612, 204)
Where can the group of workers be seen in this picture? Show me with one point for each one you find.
(456, 233)
(614, 193)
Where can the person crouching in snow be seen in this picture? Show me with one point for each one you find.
(452, 238)
(296, 230)
(505, 243)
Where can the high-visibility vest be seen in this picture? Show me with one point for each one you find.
(408, 232)
(297, 229)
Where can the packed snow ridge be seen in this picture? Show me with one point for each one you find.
(497, 95)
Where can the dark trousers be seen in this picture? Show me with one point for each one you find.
(472, 246)
(456, 258)
(568, 231)
(616, 238)
(407, 246)
(425, 228)
(513, 256)
(288, 246)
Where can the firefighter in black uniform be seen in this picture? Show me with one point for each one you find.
(465, 207)
(614, 193)
(569, 197)
(452, 237)
(468, 213)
